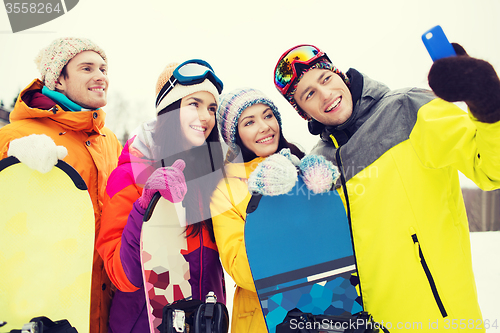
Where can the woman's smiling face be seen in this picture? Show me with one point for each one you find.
(197, 117)
(259, 130)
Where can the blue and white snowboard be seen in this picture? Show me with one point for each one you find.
(300, 252)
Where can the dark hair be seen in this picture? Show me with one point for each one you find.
(249, 155)
(64, 71)
(200, 161)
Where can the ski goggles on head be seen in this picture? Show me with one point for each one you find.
(189, 73)
(285, 72)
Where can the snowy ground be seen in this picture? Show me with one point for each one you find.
(486, 264)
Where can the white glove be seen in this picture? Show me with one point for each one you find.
(275, 175)
(37, 151)
(318, 174)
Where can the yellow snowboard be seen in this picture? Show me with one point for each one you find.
(46, 245)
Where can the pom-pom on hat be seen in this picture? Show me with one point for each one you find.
(52, 59)
(180, 91)
(232, 106)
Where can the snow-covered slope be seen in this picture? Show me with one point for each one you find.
(486, 264)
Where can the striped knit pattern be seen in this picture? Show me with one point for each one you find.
(318, 174)
(275, 175)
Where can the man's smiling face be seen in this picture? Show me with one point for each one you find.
(324, 96)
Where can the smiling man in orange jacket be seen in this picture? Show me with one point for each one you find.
(59, 116)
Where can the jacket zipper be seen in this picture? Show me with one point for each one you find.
(429, 276)
(340, 166)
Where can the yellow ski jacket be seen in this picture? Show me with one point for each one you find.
(228, 207)
(408, 219)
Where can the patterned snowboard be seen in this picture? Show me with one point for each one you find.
(46, 245)
(299, 248)
(165, 271)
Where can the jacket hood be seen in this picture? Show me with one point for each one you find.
(133, 163)
(365, 93)
(138, 153)
(32, 104)
(142, 139)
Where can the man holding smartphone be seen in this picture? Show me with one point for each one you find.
(400, 152)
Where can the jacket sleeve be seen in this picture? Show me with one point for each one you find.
(5, 139)
(115, 214)
(229, 226)
(446, 136)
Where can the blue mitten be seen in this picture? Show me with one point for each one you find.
(318, 174)
(275, 175)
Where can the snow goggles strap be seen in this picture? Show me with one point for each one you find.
(285, 72)
(188, 73)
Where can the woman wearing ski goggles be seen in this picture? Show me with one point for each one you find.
(178, 155)
(188, 73)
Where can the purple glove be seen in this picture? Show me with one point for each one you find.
(169, 181)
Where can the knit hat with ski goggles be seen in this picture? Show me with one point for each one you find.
(52, 59)
(232, 106)
(292, 66)
(178, 81)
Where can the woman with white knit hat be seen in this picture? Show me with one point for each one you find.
(177, 154)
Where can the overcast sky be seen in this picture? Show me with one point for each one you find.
(243, 41)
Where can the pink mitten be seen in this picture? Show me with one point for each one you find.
(169, 181)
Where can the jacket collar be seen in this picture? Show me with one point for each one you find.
(30, 105)
(242, 170)
(366, 93)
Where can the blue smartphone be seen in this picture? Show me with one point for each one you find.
(437, 44)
